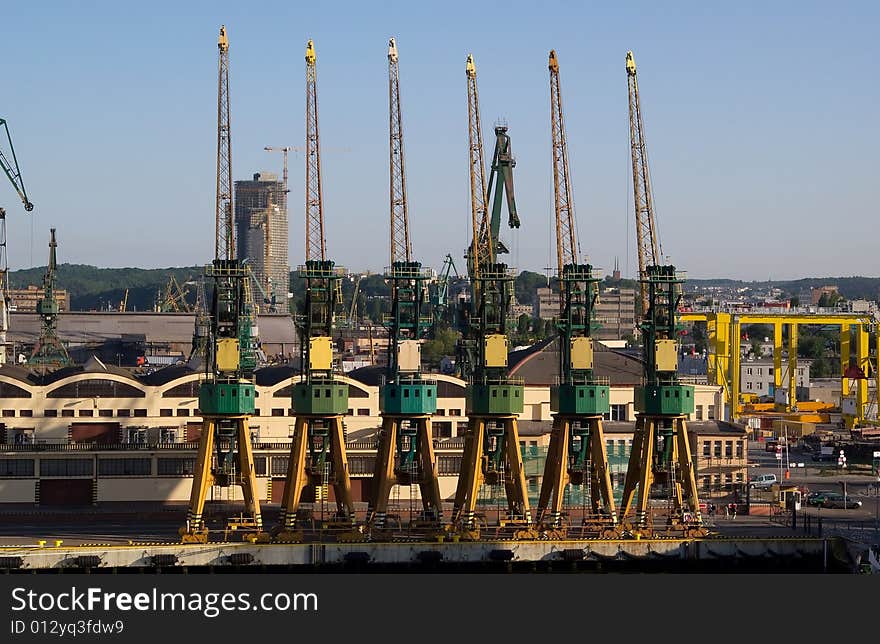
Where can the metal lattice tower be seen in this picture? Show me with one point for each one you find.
(646, 228)
(481, 251)
(315, 244)
(405, 454)
(577, 452)
(224, 244)
(401, 250)
(566, 235)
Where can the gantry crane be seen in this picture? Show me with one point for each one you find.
(13, 173)
(661, 455)
(577, 453)
(228, 391)
(320, 399)
(49, 350)
(405, 454)
(493, 398)
(442, 312)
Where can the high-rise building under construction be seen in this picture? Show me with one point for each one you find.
(261, 231)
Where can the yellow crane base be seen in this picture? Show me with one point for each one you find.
(194, 536)
(288, 536)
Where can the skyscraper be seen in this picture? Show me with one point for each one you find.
(261, 230)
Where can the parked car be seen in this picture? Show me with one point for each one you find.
(762, 481)
(832, 500)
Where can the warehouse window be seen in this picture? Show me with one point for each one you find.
(7, 413)
(50, 413)
(176, 466)
(707, 449)
(183, 412)
(66, 467)
(124, 467)
(26, 413)
(140, 412)
(123, 412)
(67, 413)
(739, 449)
(96, 388)
(279, 465)
(185, 390)
(86, 412)
(16, 467)
(277, 412)
(105, 412)
(363, 412)
(11, 391)
(717, 452)
(260, 465)
(166, 412)
(728, 449)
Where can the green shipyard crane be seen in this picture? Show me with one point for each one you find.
(320, 398)
(660, 460)
(228, 392)
(407, 400)
(493, 398)
(49, 350)
(577, 453)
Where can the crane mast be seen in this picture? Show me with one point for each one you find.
(228, 392)
(646, 228)
(319, 399)
(577, 452)
(493, 398)
(49, 350)
(405, 453)
(660, 461)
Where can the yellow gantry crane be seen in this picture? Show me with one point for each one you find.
(577, 452)
(405, 454)
(318, 457)
(660, 460)
(228, 392)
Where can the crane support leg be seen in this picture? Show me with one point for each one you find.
(342, 481)
(515, 481)
(601, 489)
(671, 465)
(384, 477)
(294, 484)
(549, 512)
(429, 484)
(469, 478)
(248, 483)
(195, 530)
(387, 474)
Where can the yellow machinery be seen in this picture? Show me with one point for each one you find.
(661, 468)
(405, 455)
(318, 458)
(577, 453)
(724, 330)
(227, 394)
(493, 398)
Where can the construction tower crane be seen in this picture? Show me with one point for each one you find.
(660, 460)
(49, 351)
(228, 391)
(320, 399)
(283, 150)
(493, 398)
(405, 454)
(577, 452)
(13, 173)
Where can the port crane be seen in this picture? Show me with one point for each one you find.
(49, 350)
(493, 398)
(577, 452)
(228, 392)
(13, 173)
(407, 400)
(660, 458)
(320, 399)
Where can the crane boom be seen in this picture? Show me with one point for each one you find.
(481, 251)
(566, 234)
(401, 250)
(646, 228)
(12, 171)
(224, 245)
(315, 244)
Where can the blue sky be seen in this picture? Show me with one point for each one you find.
(759, 118)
